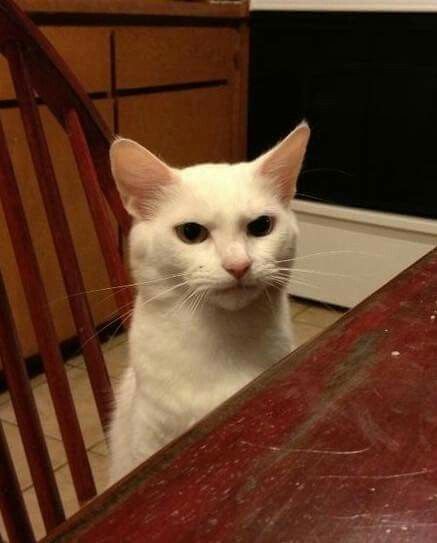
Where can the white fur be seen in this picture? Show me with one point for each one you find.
(185, 361)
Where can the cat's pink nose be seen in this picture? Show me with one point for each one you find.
(238, 270)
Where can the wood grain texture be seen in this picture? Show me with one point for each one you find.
(59, 389)
(183, 127)
(84, 49)
(161, 56)
(63, 240)
(169, 8)
(36, 298)
(100, 213)
(337, 442)
(37, 72)
(76, 207)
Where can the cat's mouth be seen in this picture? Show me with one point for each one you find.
(236, 288)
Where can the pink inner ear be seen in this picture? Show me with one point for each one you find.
(140, 176)
(283, 163)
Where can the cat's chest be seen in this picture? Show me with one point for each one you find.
(187, 372)
(200, 352)
(194, 372)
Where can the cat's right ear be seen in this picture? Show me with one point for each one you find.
(140, 176)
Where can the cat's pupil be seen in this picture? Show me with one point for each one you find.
(192, 230)
(261, 226)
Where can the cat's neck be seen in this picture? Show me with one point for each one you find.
(249, 339)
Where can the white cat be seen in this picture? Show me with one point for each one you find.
(210, 249)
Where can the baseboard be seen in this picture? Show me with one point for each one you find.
(345, 254)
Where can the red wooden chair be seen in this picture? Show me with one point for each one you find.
(37, 71)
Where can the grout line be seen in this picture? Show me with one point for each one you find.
(15, 423)
(7, 422)
(299, 312)
(100, 455)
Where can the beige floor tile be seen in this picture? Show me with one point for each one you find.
(114, 341)
(4, 397)
(298, 305)
(304, 332)
(55, 447)
(34, 382)
(114, 352)
(38, 380)
(100, 448)
(117, 359)
(76, 362)
(99, 465)
(85, 405)
(319, 316)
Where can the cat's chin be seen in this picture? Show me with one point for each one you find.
(234, 299)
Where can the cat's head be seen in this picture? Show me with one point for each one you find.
(225, 230)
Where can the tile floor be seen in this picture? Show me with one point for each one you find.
(309, 320)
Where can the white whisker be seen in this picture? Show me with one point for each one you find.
(119, 316)
(166, 291)
(323, 253)
(318, 272)
(114, 288)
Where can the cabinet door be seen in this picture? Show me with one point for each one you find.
(183, 126)
(81, 225)
(86, 50)
(157, 56)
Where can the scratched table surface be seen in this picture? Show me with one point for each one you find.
(336, 443)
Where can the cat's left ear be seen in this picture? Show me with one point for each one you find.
(140, 176)
(282, 164)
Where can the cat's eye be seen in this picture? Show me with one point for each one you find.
(262, 226)
(191, 232)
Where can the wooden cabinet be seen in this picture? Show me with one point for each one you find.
(85, 49)
(168, 55)
(180, 103)
(172, 76)
(181, 126)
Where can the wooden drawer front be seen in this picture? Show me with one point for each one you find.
(182, 127)
(154, 56)
(81, 225)
(86, 51)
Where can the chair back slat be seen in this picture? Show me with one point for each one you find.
(44, 327)
(11, 500)
(29, 423)
(60, 230)
(98, 208)
(41, 77)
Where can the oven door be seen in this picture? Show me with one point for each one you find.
(367, 84)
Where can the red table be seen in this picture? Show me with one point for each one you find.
(336, 443)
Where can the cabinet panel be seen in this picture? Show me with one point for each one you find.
(86, 50)
(87, 247)
(154, 56)
(182, 127)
